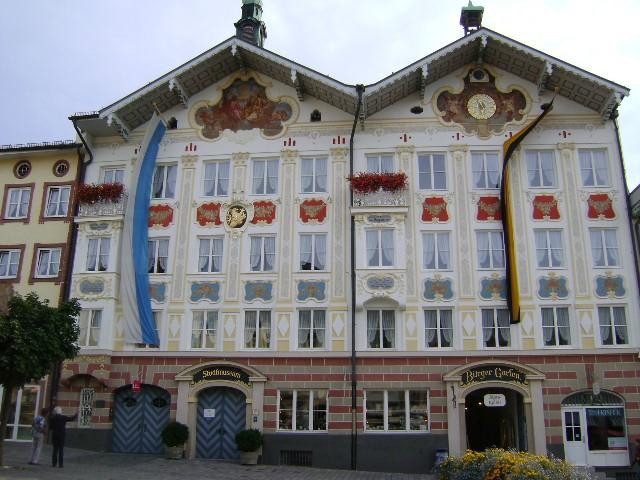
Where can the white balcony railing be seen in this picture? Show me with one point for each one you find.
(381, 198)
(103, 209)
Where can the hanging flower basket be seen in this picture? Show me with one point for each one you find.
(367, 182)
(100, 192)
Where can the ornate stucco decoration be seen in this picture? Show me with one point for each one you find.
(552, 287)
(205, 291)
(311, 289)
(610, 286)
(236, 216)
(92, 287)
(258, 291)
(438, 288)
(493, 288)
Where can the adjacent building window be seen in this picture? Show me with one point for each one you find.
(9, 263)
(438, 328)
(216, 179)
(164, 181)
(263, 253)
(58, 201)
(265, 177)
(204, 329)
(541, 167)
(257, 329)
(158, 255)
(604, 247)
(593, 166)
(380, 163)
(556, 331)
(113, 175)
(90, 324)
(432, 174)
(311, 329)
(18, 203)
(313, 251)
(613, 326)
(396, 410)
(435, 251)
(486, 173)
(314, 175)
(302, 410)
(210, 255)
(98, 254)
(490, 249)
(380, 247)
(381, 329)
(48, 265)
(496, 327)
(549, 251)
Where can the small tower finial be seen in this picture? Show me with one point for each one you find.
(471, 18)
(250, 27)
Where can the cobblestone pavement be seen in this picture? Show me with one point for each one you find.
(86, 465)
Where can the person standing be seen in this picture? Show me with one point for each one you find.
(57, 425)
(37, 431)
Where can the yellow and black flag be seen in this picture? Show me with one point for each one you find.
(513, 293)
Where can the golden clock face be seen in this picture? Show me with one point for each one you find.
(481, 106)
(236, 216)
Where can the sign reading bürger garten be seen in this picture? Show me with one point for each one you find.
(493, 373)
(230, 374)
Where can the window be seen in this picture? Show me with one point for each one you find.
(380, 248)
(86, 407)
(263, 253)
(555, 326)
(380, 163)
(606, 429)
(48, 262)
(98, 254)
(593, 166)
(613, 326)
(257, 329)
(541, 167)
(396, 410)
(381, 329)
(431, 171)
(113, 175)
(164, 181)
(313, 251)
(158, 255)
(485, 170)
(58, 201)
(438, 328)
(18, 203)
(90, 323)
(549, 252)
(314, 175)
(204, 329)
(490, 249)
(9, 263)
(216, 179)
(265, 177)
(435, 251)
(157, 322)
(302, 410)
(604, 247)
(210, 256)
(311, 329)
(22, 169)
(496, 327)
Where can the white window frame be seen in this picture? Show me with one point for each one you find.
(60, 211)
(90, 321)
(314, 249)
(379, 232)
(12, 256)
(407, 410)
(491, 249)
(210, 255)
(535, 167)
(612, 326)
(257, 329)
(311, 410)
(263, 267)
(216, 179)
(548, 249)
(100, 255)
(496, 329)
(438, 329)
(165, 175)
(255, 181)
(380, 159)
(156, 258)
(484, 183)
(431, 174)
(605, 248)
(19, 203)
(315, 187)
(313, 312)
(205, 330)
(437, 251)
(114, 172)
(380, 329)
(556, 328)
(587, 155)
(41, 253)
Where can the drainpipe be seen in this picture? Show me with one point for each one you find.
(354, 384)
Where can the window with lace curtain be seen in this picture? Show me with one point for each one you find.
(549, 251)
(257, 329)
(486, 172)
(541, 168)
(98, 254)
(311, 329)
(263, 253)
(604, 247)
(313, 174)
(436, 254)
(490, 249)
(90, 322)
(313, 251)
(380, 163)
(18, 200)
(381, 329)
(57, 201)
(9, 263)
(380, 247)
(613, 326)
(204, 329)
(210, 255)
(496, 328)
(215, 182)
(113, 175)
(264, 177)
(432, 174)
(593, 167)
(438, 328)
(158, 255)
(164, 181)
(48, 265)
(556, 331)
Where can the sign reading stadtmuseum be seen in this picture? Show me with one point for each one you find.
(493, 373)
(230, 374)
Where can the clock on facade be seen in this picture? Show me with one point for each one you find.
(481, 106)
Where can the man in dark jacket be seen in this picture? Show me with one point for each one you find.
(57, 426)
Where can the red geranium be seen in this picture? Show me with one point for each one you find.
(100, 192)
(367, 182)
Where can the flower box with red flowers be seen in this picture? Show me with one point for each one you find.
(100, 192)
(368, 182)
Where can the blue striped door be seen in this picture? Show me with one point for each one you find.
(215, 437)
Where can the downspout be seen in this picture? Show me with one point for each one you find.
(354, 383)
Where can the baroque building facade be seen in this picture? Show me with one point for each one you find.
(243, 281)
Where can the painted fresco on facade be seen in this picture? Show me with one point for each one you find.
(610, 286)
(157, 291)
(311, 289)
(434, 209)
(494, 288)
(264, 212)
(489, 209)
(208, 214)
(205, 291)
(545, 207)
(313, 211)
(600, 206)
(552, 286)
(438, 289)
(258, 290)
(160, 215)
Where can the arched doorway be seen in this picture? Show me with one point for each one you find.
(139, 418)
(221, 414)
(495, 417)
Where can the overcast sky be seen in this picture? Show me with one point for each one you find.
(59, 57)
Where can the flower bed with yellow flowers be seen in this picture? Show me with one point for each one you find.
(498, 464)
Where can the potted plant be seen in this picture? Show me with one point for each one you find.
(100, 192)
(174, 436)
(371, 182)
(249, 442)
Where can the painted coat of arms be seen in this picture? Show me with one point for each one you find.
(434, 209)
(489, 209)
(545, 207)
(208, 213)
(160, 215)
(314, 211)
(600, 206)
